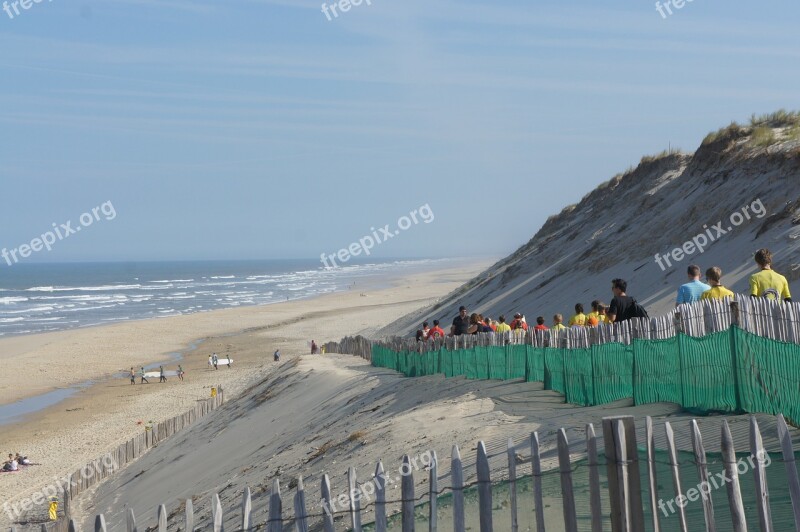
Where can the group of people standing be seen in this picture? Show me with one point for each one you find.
(766, 283)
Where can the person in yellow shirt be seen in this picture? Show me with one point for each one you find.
(579, 319)
(713, 276)
(502, 326)
(557, 319)
(768, 283)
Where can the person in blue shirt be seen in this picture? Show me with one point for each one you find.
(692, 290)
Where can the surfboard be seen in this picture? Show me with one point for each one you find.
(224, 361)
(157, 374)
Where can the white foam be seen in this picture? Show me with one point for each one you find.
(12, 299)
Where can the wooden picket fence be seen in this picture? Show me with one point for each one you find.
(96, 471)
(771, 319)
(626, 505)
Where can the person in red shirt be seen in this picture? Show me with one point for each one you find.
(540, 326)
(519, 322)
(436, 331)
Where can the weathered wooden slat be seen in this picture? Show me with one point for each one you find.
(162, 518)
(731, 480)
(327, 518)
(484, 489)
(300, 513)
(433, 492)
(536, 465)
(594, 479)
(760, 476)
(407, 495)
(354, 495)
(216, 513)
(567, 491)
(702, 474)
(189, 516)
(380, 499)
(651, 473)
(130, 522)
(275, 519)
(72, 526)
(100, 523)
(676, 476)
(247, 509)
(790, 465)
(512, 484)
(623, 481)
(457, 477)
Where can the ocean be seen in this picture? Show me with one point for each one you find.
(37, 298)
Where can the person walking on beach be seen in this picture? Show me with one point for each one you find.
(133, 376)
(313, 347)
(460, 323)
(276, 356)
(144, 379)
(214, 360)
(180, 372)
(694, 289)
(161, 376)
(714, 278)
(229, 362)
(768, 283)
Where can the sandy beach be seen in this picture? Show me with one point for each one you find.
(81, 428)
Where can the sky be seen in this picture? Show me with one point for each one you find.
(266, 129)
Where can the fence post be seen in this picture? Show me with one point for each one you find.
(619, 435)
(734, 354)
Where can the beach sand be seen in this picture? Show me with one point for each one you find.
(95, 419)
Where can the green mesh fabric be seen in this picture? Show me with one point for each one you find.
(496, 358)
(446, 362)
(767, 374)
(658, 371)
(613, 372)
(534, 357)
(515, 360)
(729, 371)
(707, 372)
(554, 369)
(578, 375)
(482, 363)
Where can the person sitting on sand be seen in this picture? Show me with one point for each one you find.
(22, 460)
(557, 325)
(11, 464)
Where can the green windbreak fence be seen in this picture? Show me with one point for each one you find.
(732, 371)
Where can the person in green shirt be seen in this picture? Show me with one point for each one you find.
(717, 291)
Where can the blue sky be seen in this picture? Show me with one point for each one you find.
(260, 129)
